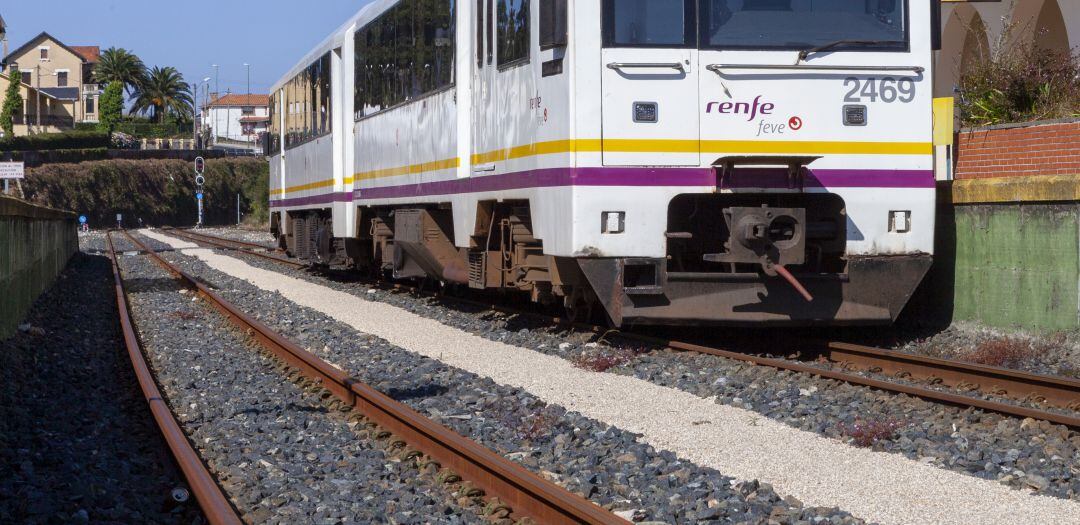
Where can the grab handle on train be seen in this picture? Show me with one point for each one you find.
(647, 65)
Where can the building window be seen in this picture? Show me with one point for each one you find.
(26, 77)
(247, 110)
(89, 105)
(61, 78)
(44, 53)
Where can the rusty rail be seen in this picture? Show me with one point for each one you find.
(526, 493)
(211, 499)
(229, 244)
(1058, 391)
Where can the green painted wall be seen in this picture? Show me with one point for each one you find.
(35, 246)
(1013, 265)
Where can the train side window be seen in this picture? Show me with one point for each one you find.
(649, 23)
(480, 33)
(552, 24)
(513, 32)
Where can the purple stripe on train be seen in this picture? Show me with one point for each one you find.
(635, 177)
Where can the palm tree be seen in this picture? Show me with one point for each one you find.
(163, 93)
(122, 66)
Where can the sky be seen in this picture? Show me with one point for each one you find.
(191, 35)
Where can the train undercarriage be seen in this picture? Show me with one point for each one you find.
(739, 260)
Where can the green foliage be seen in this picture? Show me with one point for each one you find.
(160, 192)
(13, 103)
(53, 141)
(111, 106)
(1020, 82)
(164, 93)
(120, 66)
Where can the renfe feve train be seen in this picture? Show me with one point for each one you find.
(733, 162)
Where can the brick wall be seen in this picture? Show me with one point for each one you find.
(1041, 148)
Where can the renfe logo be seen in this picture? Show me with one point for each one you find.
(742, 108)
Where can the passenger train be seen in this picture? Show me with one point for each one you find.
(675, 162)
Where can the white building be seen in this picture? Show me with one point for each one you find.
(236, 119)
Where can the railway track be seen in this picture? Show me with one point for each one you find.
(528, 495)
(208, 494)
(258, 250)
(855, 364)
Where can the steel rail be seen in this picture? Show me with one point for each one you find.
(929, 394)
(526, 493)
(1059, 391)
(208, 494)
(207, 236)
(221, 243)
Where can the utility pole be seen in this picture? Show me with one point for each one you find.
(37, 81)
(248, 101)
(217, 87)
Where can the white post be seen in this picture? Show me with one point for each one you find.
(238, 209)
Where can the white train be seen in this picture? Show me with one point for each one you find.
(738, 162)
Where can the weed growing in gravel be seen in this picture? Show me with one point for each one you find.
(602, 359)
(866, 433)
(537, 425)
(184, 316)
(1006, 352)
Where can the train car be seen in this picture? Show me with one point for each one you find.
(676, 162)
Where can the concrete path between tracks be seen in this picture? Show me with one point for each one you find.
(876, 486)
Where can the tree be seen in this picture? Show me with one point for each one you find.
(120, 65)
(111, 106)
(164, 93)
(13, 103)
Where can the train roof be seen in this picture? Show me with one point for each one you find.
(336, 39)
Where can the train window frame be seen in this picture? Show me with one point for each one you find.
(515, 61)
(863, 48)
(690, 28)
(308, 97)
(394, 91)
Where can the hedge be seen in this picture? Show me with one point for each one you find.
(144, 130)
(52, 141)
(160, 192)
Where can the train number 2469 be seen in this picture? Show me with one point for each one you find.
(888, 89)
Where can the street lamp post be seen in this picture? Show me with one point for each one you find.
(248, 101)
(196, 121)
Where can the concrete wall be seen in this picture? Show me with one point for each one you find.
(1007, 254)
(35, 245)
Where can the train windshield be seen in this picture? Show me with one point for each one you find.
(803, 24)
(757, 24)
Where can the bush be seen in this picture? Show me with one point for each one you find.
(160, 192)
(1019, 82)
(53, 141)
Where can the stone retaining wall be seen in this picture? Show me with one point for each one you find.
(1035, 148)
(35, 246)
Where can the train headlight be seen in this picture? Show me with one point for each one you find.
(854, 115)
(899, 221)
(646, 112)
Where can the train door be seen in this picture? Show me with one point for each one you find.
(650, 83)
(484, 101)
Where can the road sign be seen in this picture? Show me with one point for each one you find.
(200, 165)
(198, 195)
(12, 170)
(82, 219)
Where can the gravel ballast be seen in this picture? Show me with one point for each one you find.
(876, 486)
(77, 442)
(1025, 454)
(281, 454)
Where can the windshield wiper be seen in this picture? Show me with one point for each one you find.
(825, 47)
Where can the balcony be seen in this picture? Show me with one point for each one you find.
(64, 122)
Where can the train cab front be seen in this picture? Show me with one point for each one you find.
(792, 142)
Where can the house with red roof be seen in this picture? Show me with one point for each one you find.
(233, 119)
(61, 72)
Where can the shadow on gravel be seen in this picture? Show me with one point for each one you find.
(77, 443)
(405, 394)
